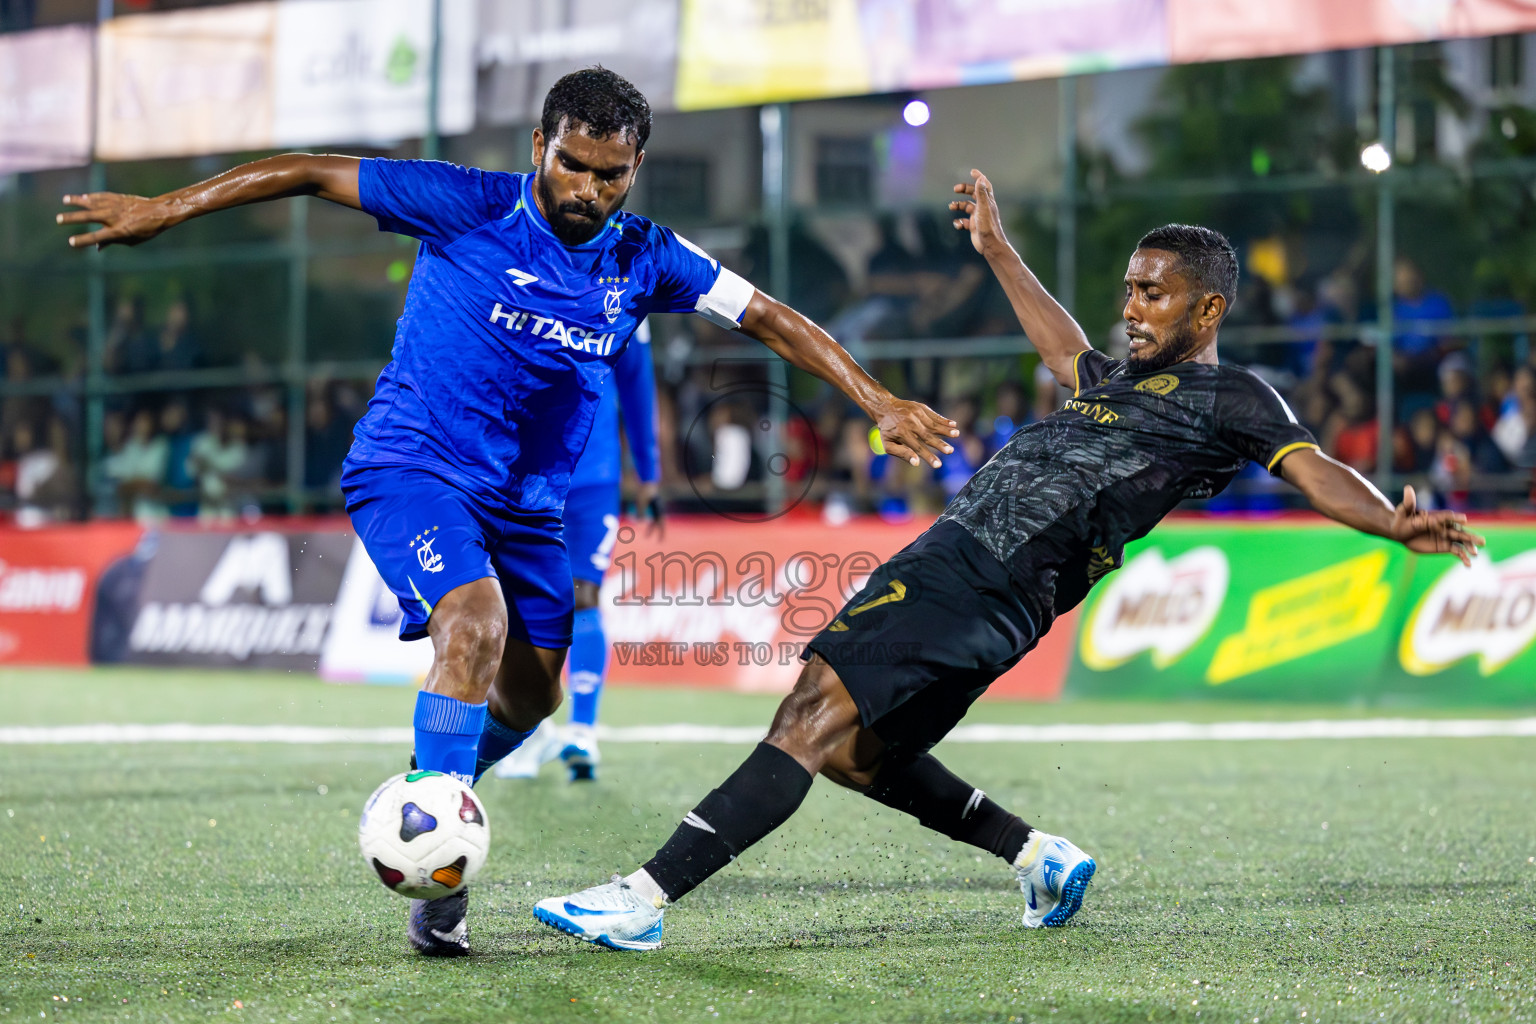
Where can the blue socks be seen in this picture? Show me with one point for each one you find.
(588, 663)
(496, 742)
(460, 739)
(448, 734)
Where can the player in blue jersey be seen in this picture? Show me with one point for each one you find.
(591, 530)
(525, 291)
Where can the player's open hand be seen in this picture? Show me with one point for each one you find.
(979, 214)
(124, 219)
(912, 431)
(1434, 533)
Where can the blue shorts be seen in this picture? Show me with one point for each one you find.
(427, 537)
(591, 527)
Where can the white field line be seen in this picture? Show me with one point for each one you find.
(1151, 732)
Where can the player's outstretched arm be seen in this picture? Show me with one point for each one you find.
(129, 220)
(909, 430)
(1340, 493)
(1051, 329)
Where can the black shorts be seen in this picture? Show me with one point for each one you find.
(930, 631)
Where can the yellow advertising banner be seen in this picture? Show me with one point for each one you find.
(185, 82)
(740, 52)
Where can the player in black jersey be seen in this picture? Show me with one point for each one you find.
(1022, 542)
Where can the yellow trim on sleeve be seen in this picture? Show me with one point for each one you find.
(1283, 452)
(1077, 381)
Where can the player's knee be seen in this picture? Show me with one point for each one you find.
(475, 632)
(815, 719)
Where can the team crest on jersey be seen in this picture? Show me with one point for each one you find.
(613, 302)
(1159, 385)
(430, 560)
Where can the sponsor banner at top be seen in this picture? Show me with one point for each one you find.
(45, 98)
(267, 75)
(525, 45)
(1209, 30)
(734, 52)
(755, 51)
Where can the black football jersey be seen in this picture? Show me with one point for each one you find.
(1059, 501)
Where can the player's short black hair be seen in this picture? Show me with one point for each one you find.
(1205, 255)
(605, 102)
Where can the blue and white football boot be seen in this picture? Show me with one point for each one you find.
(1053, 875)
(580, 753)
(612, 915)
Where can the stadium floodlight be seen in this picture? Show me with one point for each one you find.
(915, 113)
(1375, 158)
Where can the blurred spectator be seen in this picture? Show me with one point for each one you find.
(1350, 433)
(1416, 346)
(1515, 430)
(217, 457)
(180, 479)
(137, 470)
(1416, 444)
(327, 437)
(46, 486)
(1456, 385)
(970, 451)
(1008, 414)
(1467, 428)
(130, 346)
(176, 348)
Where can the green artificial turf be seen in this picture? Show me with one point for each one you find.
(1368, 880)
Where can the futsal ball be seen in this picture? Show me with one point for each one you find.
(424, 834)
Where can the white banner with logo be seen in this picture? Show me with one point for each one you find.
(364, 644)
(45, 98)
(359, 71)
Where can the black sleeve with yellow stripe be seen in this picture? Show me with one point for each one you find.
(1255, 422)
(1089, 367)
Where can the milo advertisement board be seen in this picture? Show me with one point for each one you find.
(1471, 630)
(1311, 612)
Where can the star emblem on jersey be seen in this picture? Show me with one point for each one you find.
(523, 278)
(430, 560)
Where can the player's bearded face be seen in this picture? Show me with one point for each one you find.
(1173, 344)
(1161, 309)
(582, 181)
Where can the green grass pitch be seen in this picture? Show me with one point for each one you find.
(1368, 880)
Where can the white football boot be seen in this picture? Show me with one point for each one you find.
(612, 915)
(1053, 874)
(535, 752)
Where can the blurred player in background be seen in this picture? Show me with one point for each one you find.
(591, 530)
(526, 289)
(1046, 518)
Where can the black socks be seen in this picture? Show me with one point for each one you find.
(757, 798)
(927, 790)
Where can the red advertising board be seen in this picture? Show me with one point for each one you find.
(717, 603)
(48, 582)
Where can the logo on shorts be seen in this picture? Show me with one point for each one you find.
(430, 560)
(1159, 385)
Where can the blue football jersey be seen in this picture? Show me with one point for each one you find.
(630, 388)
(508, 334)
